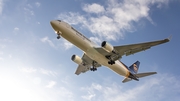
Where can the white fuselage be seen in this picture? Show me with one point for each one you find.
(79, 40)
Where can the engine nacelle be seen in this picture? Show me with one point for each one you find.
(108, 47)
(76, 59)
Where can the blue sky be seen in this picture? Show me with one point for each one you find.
(35, 66)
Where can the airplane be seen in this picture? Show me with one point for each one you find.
(107, 55)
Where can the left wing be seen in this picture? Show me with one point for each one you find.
(87, 63)
(132, 48)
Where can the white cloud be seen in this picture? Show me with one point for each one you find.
(94, 8)
(1, 6)
(72, 18)
(97, 86)
(152, 89)
(111, 21)
(38, 4)
(91, 93)
(16, 29)
(96, 40)
(65, 94)
(89, 96)
(46, 39)
(67, 45)
(28, 69)
(28, 11)
(51, 84)
(56, 44)
(48, 72)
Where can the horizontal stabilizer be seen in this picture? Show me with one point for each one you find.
(126, 80)
(140, 75)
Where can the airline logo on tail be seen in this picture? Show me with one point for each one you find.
(135, 68)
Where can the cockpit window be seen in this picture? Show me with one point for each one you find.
(59, 20)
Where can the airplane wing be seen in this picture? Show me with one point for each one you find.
(86, 67)
(132, 48)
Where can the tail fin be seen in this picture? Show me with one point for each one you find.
(134, 67)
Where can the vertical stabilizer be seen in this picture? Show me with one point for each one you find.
(134, 67)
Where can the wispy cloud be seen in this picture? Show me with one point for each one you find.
(51, 84)
(46, 39)
(28, 11)
(16, 29)
(66, 94)
(27, 69)
(67, 45)
(91, 91)
(111, 21)
(155, 89)
(93, 8)
(57, 43)
(48, 72)
(38, 4)
(96, 40)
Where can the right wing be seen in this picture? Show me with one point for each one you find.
(82, 68)
(132, 48)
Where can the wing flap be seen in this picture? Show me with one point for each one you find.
(132, 51)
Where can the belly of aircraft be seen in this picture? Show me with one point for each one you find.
(118, 67)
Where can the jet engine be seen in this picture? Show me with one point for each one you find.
(108, 47)
(76, 59)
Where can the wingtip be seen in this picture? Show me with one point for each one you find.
(170, 37)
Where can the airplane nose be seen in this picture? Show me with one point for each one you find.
(53, 24)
